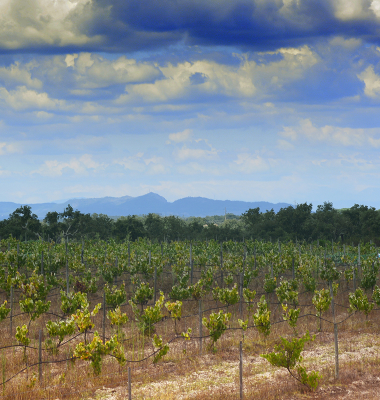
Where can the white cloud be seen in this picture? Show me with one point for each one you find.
(138, 163)
(371, 81)
(353, 9)
(184, 136)
(205, 77)
(55, 168)
(132, 163)
(207, 152)
(349, 162)
(70, 59)
(42, 22)
(22, 98)
(94, 71)
(284, 145)
(249, 163)
(44, 115)
(19, 75)
(9, 148)
(333, 134)
(349, 44)
(375, 7)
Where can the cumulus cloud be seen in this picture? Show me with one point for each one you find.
(23, 98)
(343, 136)
(220, 79)
(141, 163)
(80, 166)
(349, 44)
(43, 23)
(132, 163)
(184, 136)
(94, 71)
(371, 82)
(250, 163)
(201, 149)
(17, 74)
(130, 25)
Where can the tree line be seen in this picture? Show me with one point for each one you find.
(297, 222)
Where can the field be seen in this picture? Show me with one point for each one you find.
(76, 318)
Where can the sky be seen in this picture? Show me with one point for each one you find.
(254, 100)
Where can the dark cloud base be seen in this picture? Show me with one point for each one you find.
(132, 25)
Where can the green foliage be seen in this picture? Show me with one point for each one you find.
(59, 329)
(269, 284)
(288, 355)
(143, 294)
(82, 317)
(321, 301)
(359, 302)
(207, 279)
(72, 302)
(226, 296)
(86, 283)
(115, 297)
(285, 294)
(117, 318)
(96, 350)
(4, 311)
(22, 335)
(34, 293)
(163, 349)
(216, 325)
(35, 308)
(179, 293)
(310, 379)
(7, 280)
(196, 291)
(150, 316)
(369, 275)
(335, 287)
(186, 334)
(291, 315)
(249, 296)
(309, 283)
(262, 317)
(228, 279)
(175, 311)
(329, 271)
(243, 324)
(376, 295)
(349, 273)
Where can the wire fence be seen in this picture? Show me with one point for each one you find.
(168, 272)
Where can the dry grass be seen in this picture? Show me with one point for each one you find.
(209, 375)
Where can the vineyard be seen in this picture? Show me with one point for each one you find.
(78, 319)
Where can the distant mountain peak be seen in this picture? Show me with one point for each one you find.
(146, 204)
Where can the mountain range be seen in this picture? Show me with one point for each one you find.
(148, 203)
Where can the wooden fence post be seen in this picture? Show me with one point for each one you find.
(40, 356)
(129, 384)
(335, 332)
(241, 369)
(104, 317)
(200, 326)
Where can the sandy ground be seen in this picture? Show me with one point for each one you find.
(210, 376)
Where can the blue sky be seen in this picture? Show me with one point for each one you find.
(273, 100)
